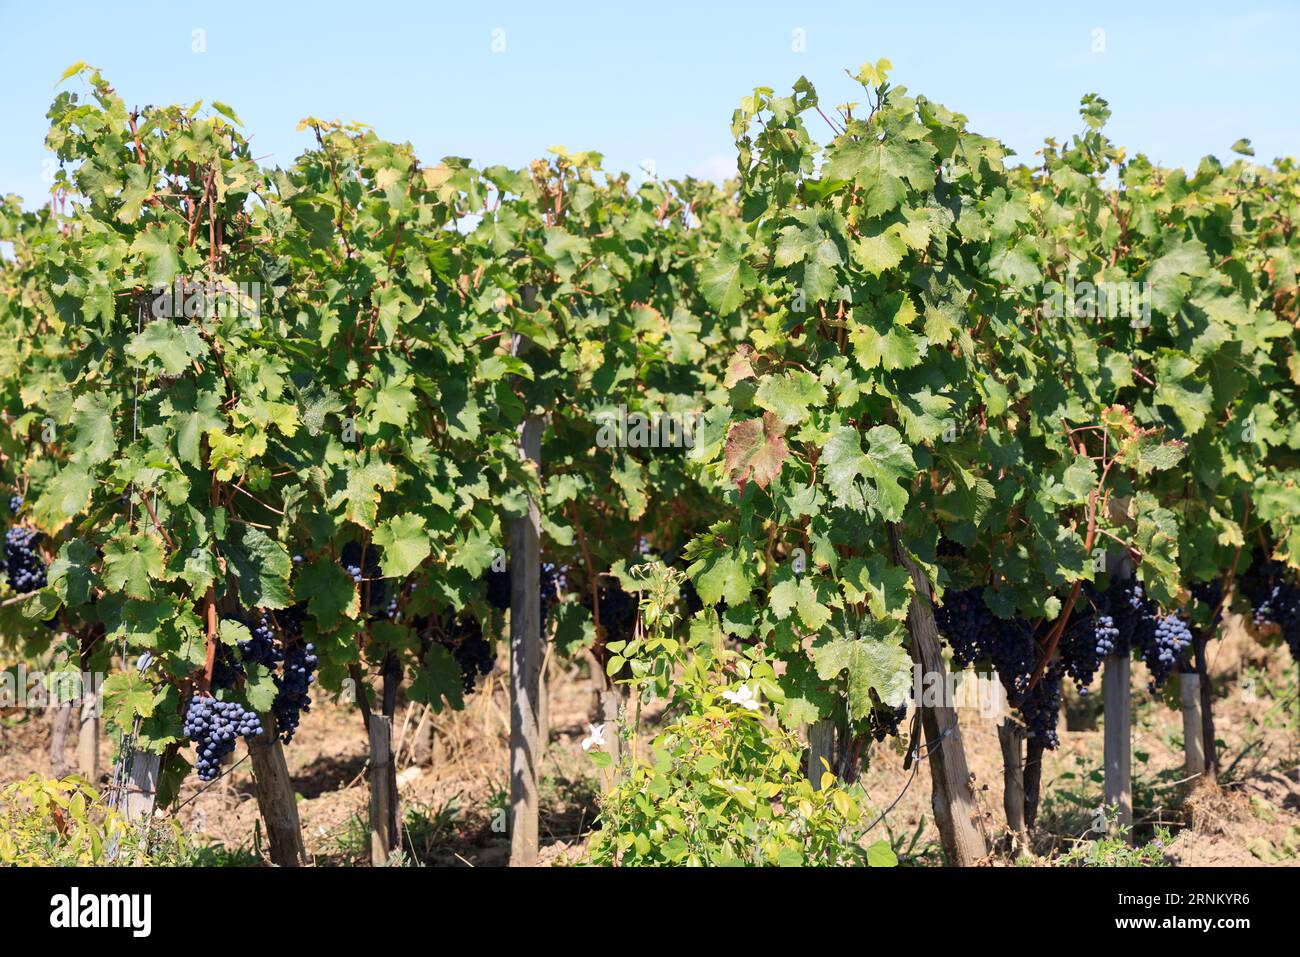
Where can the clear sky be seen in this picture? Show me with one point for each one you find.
(500, 82)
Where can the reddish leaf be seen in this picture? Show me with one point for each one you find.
(756, 450)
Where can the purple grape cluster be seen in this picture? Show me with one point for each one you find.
(1086, 643)
(618, 611)
(291, 688)
(498, 589)
(260, 649)
(964, 621)
(1163, 645)
(24, 566)
(365, 573)
(213, 726)
(462, 635)
(1041, 708)
(1275, 598)
(974, 633)
(883, 721)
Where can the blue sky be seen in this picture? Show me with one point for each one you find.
(658, 81)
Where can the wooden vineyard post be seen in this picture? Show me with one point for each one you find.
(608, 704)
(60, 715)
(141, 788)
(821, 746)
(383, 790)
(134, 790)
(961, 830)
(1011, 736)
(1210, 767)
(544, 705)
(88, 736)
(1189, 687)
(1117, 725)
(525, 663)
(275, 798)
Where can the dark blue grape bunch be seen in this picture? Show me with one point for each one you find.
(618, 612)
(1209, 594)
(498, 589)
(1013, 652)
(260, 649)
(15, 503)
(24, 566)
(368, 577)
(1090, 638)
(883, 721)
(553, 581)
(1280, 606)
(462, 635)
(1261, 583)
(1131, 610)
(1041, 709)
(966, 624)
(213, 726)
(292, 688)
(947, 548)
(1163, 645)
(225, 671)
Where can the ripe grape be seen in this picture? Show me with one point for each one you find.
(15, 503)
(883, 721)
(964, 621)
(291, 697)
(1041, 708)
(974, 634)
(213, 726)
(1275, 597)
(366, 574)
(552, 581)
(498, 589)
(260, 649)
(1089, 639)
(462, 635)
(618, 612)
(1162, 643)
(24, 567)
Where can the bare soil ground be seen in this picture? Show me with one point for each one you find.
(454, 792)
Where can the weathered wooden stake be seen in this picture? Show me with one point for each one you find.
(1189, 688)
(525, 663)
(544, 705)
(88, 737)
(422, 738)
(383, 790)
(1117, 725)
(1012, 738)
(137, 802)
(275, 799)
(821, 746)
(60, 715)
(1032, 779)
(961, 830)
(1200, 641)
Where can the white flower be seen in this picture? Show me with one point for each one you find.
(743, 697)
(596, 737)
